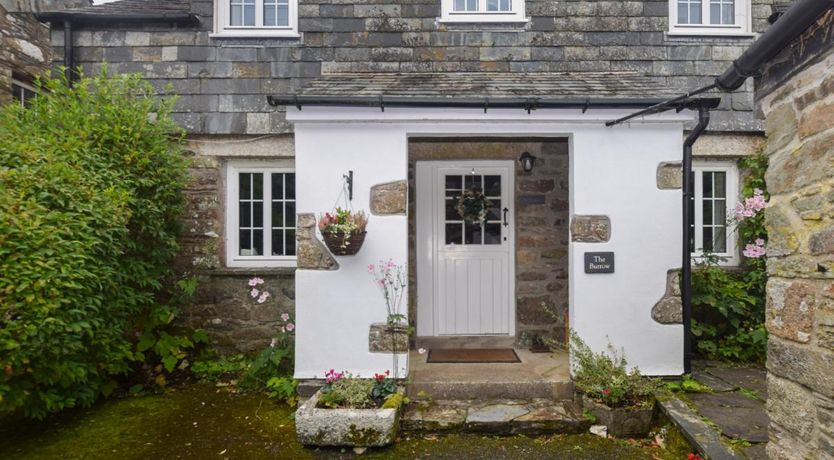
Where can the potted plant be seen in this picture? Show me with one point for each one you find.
(351, 411)
(343, 232)
(618, 398)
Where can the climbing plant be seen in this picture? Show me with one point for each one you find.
(728, 305)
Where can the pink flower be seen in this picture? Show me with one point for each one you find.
(754, 251)
(760, 242)
(263, 297)
(290, 327)
(370, 268)
(285, 316)
(254, 293)
(255, 281)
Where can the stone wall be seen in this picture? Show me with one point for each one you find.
(798, 99)
(541, 220)
(222, 81)
(25, 49)
(222, 304)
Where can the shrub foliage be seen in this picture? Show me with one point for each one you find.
(90, 192)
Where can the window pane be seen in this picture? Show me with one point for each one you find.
(245, 215)
(245, 189)
(257, 186)
(720, 212)
(236, 15)
(289, 178)
(492, 234)
(245, 242)
(494, 211)
(471, 182)
(707, 177)
(715, 13)
(472, 5)
(728, 15)
(683, 13)
(720, 184)
(472, 233)
(277, 186)
(452, 209)
(454, 235)
(492, 185)
(270, 16)
(283, 15)
(277, 213)
(460, 5)
(257, 242)
(720, 243)
(249, 14)
(453, 182)
(695, 13)
(707, 214)
(258, 214)
(708, 241)
(290, 242)
(492, 5)
(277, 242)
(290, 206)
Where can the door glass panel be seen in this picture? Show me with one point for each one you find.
(494, 212)
(454, 233)
(492, 233)
(492, 186)
(473, 181)
(473, 233)
(452, 209)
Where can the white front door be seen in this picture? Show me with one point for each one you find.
(465, 270)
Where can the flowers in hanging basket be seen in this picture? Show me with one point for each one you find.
(473, 206)
(343, 229)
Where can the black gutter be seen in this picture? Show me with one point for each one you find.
(527, 103)
(789, 26)
(686, 254)
(98, 18)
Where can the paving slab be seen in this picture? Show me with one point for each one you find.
(713, 382)
(755, 452)
(751, 378)
(434, 418)
(705, 439)
(736, 415)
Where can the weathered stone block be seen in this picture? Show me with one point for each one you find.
(383, 338)
(801, 363)
(389, 198)
(790, 312)
(791, 406)
(590, 229)
(822, 242)
(669, 176)
(669, 309)
(345, 427)
(311, 253)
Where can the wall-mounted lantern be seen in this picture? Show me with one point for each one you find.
(527, 162)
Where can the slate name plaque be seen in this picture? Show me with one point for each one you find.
(599, 262)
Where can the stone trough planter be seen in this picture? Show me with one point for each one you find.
(622, 422)
(345, 427)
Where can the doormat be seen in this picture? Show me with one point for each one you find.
(472, 355)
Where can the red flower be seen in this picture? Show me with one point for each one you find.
(379, 377)
(694, 456)
(607, 392)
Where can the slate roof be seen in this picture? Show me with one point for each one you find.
(569, 85)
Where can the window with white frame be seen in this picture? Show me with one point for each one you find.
(483, 11)
(716, 193)
(260, 215)
(709, 17)
(256, 18)
(23, 93)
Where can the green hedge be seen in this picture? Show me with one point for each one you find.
(90, 194)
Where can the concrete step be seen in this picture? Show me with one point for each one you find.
(495, 417)
(466, 389)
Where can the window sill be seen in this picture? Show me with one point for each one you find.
(250, 271)
(702, 33)
(255, 35)
(481, 20)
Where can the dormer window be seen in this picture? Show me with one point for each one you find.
(709, 17)
(483, 11)
(256, 18)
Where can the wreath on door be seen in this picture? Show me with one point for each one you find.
(473, 206)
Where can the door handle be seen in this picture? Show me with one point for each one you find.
(506, 222)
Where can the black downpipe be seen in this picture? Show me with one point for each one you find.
(69, 58)
(686, 254)
(795, 21)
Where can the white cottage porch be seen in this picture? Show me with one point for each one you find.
(612, 172)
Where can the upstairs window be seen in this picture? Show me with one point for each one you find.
(483, 11)
(709, 17)
(23, 93)
(716, 191)
(260, 216)
(256, 18)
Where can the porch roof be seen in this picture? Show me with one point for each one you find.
(528, 90)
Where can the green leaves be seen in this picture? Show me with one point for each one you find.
(90, 181)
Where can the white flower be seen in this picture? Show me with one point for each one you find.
(273, 343)
(285, 317)
(422, 351)
(263, 297)
(254, 293)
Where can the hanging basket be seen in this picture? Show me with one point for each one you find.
(341, 246)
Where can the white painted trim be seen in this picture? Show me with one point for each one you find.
(223, 29)
(731, 256)
(516, 14)
(742, 27)
(428, 226)
(233, 169)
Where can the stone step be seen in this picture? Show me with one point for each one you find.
(466, 389)
(495, 417)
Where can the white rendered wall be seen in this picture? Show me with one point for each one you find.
(613, 172)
